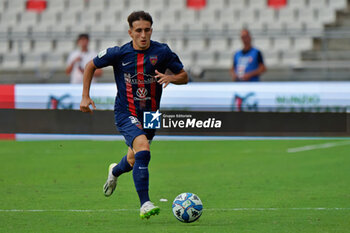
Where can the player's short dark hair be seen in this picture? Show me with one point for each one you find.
(139, 15)
(83, 36)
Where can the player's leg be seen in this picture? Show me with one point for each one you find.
(131, 156)
(127, 127)
(140, 171)
(141, 176)
(116, 169)
(111, 183)
(125, 164)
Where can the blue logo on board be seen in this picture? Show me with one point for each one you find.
(151, 120)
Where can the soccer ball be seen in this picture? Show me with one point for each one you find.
(187, 207)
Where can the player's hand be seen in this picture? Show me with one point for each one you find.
(246, 77)
(163, 78)
(85, 104)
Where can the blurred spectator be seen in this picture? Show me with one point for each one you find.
(248, 63)
(78, 58)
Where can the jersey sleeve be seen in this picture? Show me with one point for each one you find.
(260, 58)
(173, 62)
(107, 57)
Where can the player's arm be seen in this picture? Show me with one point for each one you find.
(179, 78)
(261, 69)
(234, 76)
(86, 101)
(98, 73)
(70, 66)
(233, 73)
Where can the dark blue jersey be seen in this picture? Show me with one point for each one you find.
(247, 61)
(134, 71)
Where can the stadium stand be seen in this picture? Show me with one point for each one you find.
(301, 36)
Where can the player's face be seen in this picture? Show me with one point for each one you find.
(83, 43)
(246, 39)
(140, 33)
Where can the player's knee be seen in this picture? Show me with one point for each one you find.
(131, 161)
(141, 143)
(144, 146)
(130, 158)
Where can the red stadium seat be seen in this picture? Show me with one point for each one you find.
(277, 3)
(196, 4)
(36, 5)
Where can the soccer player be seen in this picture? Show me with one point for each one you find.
(140, 73)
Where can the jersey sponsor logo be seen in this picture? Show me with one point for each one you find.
(243, 63)
(245, 60)
(141, 92)
(148, 79)
(153, 60)
(102, 53)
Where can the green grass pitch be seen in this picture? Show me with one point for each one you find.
(245, 186)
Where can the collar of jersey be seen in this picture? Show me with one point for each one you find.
(141, 51)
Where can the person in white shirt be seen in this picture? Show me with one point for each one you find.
(78, 58)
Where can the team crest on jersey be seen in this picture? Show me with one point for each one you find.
(153, 60)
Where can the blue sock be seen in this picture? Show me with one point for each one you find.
(141, 175)
(122, 167)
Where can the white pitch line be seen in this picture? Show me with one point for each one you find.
(275, 209)
(101, 210)
(210, 209)
(318, 146)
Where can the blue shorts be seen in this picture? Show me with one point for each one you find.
(130, 127)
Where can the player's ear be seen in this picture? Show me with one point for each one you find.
(129, 31)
